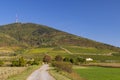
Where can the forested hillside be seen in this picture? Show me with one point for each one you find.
(34, 35)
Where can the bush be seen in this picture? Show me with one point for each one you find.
(66, 59)
(75, 60)
(58, 58)
(63, 66)
(81, 60)
(20, 62)
(72, 60)
(15, 63)
(33, 62)
(30, 62)
(1, 63)
(47, 59)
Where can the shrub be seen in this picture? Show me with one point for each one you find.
(58, 58)
(63, 66)
(72, 60)
(1, 63)
(66, 59)
(29, 62)
(81, 60)
(47, 59)
(35, 62)
(20, 62)
(15, 63)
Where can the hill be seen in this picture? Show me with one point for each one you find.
(35, 35)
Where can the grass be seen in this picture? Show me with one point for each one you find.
(86, 50)
(99, 73)
(62, 75)
(53, 51)
(57, 75)
(50, 51)
(25, 74)
(102, 57)
(6, 72)
(40, 52)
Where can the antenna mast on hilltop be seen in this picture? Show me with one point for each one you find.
(16, 18)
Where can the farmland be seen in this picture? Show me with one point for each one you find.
(6, 72)
(23, 75)
(86, 50)
(11, 73)
(99, 73)
(40, 52)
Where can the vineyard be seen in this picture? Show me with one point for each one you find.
(6, 72)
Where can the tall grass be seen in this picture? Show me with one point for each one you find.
(6, 72)
(24, 74)
(58, 76)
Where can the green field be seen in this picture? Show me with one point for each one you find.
(86, 50)
(99, 73)
(53, 51)
(42, 51)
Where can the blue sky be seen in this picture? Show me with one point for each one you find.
(94, 19)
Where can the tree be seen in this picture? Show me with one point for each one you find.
(58, 58)
(72, 60)
(81, 60)
(46, 59)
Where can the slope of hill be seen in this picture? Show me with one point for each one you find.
(6, 40)
(34, 35)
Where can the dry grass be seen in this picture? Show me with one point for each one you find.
(73, 76)
(58, 76)
(114, 65)
(6, 72)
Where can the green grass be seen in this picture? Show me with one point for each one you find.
(99, 73)
(53, 51)
(102, 57)
(40, 52)
(24, 74)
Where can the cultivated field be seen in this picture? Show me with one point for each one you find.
(40, 52)
(99, 73)
(6, 72)
(25, 74)
(86, 50)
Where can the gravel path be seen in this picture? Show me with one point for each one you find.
(41, 74)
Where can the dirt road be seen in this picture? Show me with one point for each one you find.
(41, 74)
(66, 50)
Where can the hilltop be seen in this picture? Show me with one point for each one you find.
(36, 35)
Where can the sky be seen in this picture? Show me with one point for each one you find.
(98, 20)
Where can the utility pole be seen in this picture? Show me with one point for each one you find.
(16, 18)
